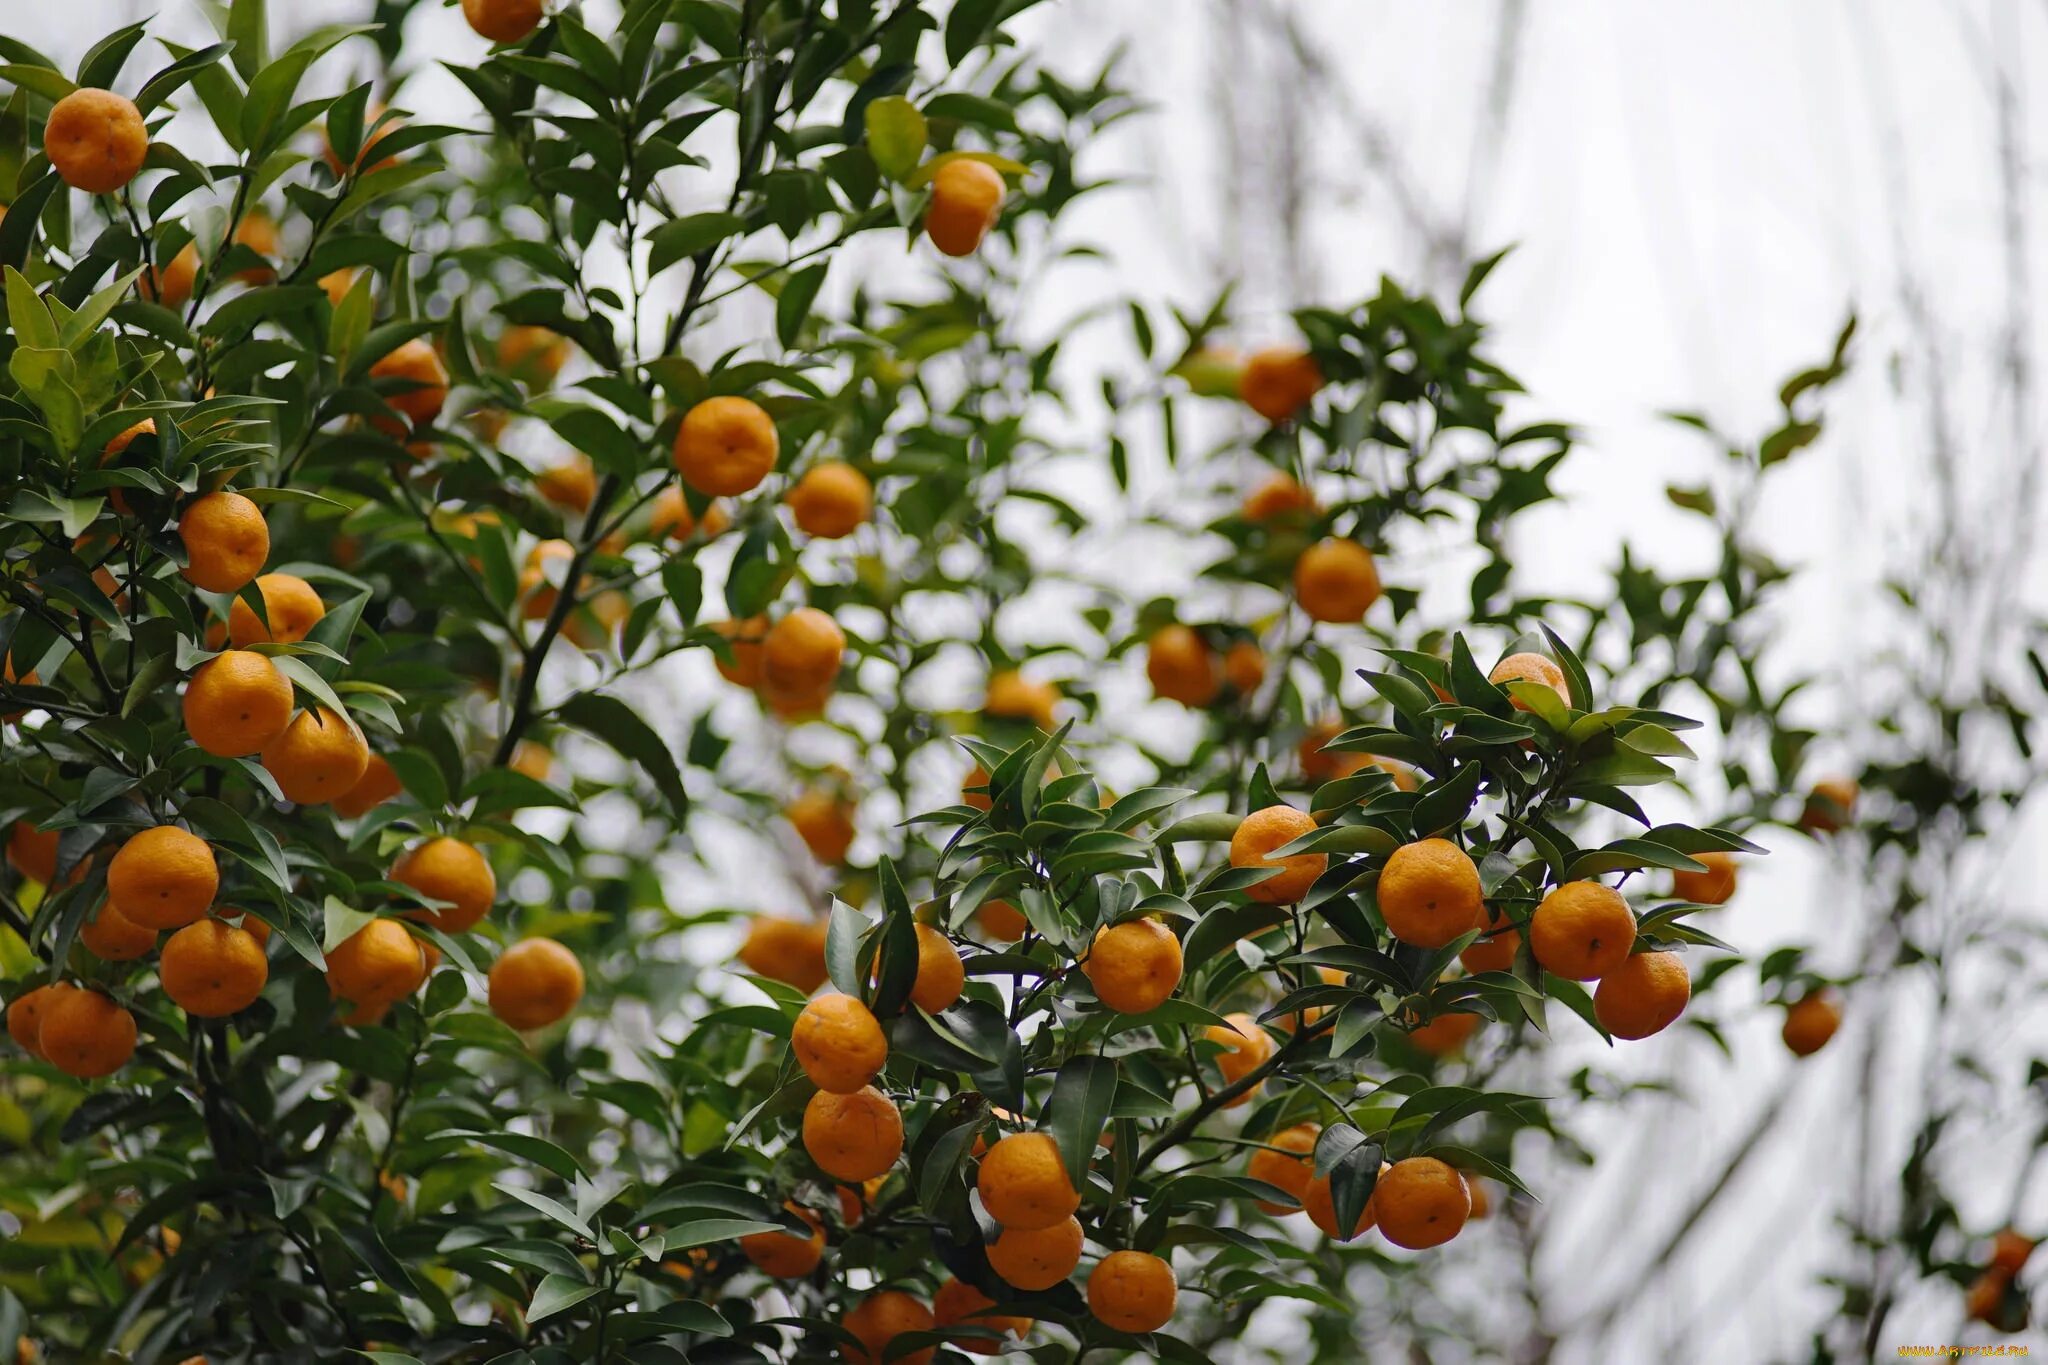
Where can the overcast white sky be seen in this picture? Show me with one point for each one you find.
(1699, 194)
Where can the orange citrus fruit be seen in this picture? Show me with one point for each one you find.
(1336, 581)
(26, 1012)
(95, 140)
(967, 199)
(1811, 1022)
(236, 704)
(1279, 381)
(87, 1035)
(853, 1137)
(503, 21)
(1445, 1034)
(1013, 696)
(376, 965)
(839, 1043)
(1287, 1164)
(1181, 667)
(830, 500)
(210, 968)
(1037, 1258)
(791, 951)
(163, 878)
(318, 757)
(571, 484)
(1244, 666)
(1421, 1202)
(1582, 931)
(824, 821)
(726, 446)
(33, 852)
(449, 870)
(378, 784)
(803, 651)
(878, 1320)
(1281, 498)
(534, 983)
(226, 541)
(1713, 887)
(1642, 996)
(1132, 1291)
(422, 386)
(785, 1255)
(291, 608)
(1429, 893)
(960, 1304)
(1246, 1047)
(1319, 1201)
(1533, 668)
(1133, 966)
(1024, 1183)
(941, 976)
(112, 937)
(1258, 834)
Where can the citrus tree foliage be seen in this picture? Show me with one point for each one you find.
(1086, 1059)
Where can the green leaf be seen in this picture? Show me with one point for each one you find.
(793, 305)
(1082, 1095)
(896, 135)
(620, 726)
(682, 237)
(557, 1292)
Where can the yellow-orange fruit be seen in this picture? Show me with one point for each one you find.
(1024, 1184)
(376, 965)
(878, 1320)
(1013, 696)
(959, 1304)
(1319, 1201)
(1244, 667)
(831, 500)
(571, 484)
(1288, 1164)
(1281, 498)
(1258, 834)
(824, 820)
(1133, 966)
(503, 21)
(236, 704)
(449, 870)
(535, 983)
(1582, 931)
(112, 937)
(226, 541)
(1429, 893)
(941, 976)
(1132, 1291)
(378, 784)
(26, 1011)
(1713, 887)
(1495, 950)
(1037, 1258)
(318, 757)
(1181, 667)
(726, 446)
(1830, 806)
(839, 1043)
(1445, 1034)
(1644, 995)
(210, 968)
(1279, 381)
(785, 1255)
(1005, 923)
(1533, 668)
(1421, 1202)
(791, 951)
(423, 390)
(803, 651)
(1246, 1047)
(33, 852)
(95, 140)
(1336, 581)
(1811, 1022)
(853, 1137)
(163, 878)
(87, 1035)
(291, 608)
(171, 283)
(967, 199)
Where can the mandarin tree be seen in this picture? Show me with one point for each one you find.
(452, 511)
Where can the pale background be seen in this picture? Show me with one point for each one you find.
(1699, 193)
